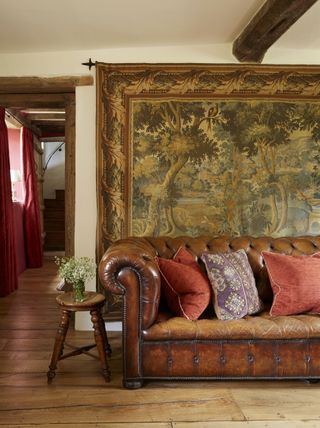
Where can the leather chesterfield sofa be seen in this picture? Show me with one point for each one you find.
(158, 345)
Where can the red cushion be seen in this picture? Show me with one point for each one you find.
(185, 287)
(183, 256)
(295, 282)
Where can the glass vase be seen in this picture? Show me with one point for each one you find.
(79, 291)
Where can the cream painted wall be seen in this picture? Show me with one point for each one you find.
(69, 63)
(59, 63)
(292, 56)
(54, 176)
(86, 210)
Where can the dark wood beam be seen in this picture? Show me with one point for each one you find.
(53, 130)
(52, 139)
(70, 174)
(49, 123)
(271, 21)
(23, 101)
(61, 84)
(45, 116)
(24, 121)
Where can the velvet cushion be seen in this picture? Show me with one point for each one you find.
(295, 282)
(233, 284)
(185, 287)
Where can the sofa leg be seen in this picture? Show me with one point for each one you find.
(133, 384)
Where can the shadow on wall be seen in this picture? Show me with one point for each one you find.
(54, 172)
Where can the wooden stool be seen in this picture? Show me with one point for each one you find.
(93, 303)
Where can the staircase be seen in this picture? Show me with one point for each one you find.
(53, 222)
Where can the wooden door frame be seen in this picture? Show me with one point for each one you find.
(70, 176)
(53, 92)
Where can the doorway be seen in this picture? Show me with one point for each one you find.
(53, 189)
(18, 94)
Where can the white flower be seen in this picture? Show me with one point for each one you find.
(74, 269)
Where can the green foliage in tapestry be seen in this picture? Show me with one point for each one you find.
(232, 167)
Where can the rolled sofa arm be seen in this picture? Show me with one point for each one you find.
(137, 256)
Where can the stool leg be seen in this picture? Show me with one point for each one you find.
(96, 319)
(105, 337)
(58, 344)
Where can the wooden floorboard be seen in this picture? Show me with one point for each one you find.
(302, 402)
(98, 425)
(79, 396)
(248, 424)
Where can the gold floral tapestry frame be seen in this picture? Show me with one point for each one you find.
(120, 89)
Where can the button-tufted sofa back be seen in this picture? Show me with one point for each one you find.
(166, 247)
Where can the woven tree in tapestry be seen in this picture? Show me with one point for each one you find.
(168, 136)
(231, 165)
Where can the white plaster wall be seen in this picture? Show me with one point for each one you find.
(86, 205)
(69, 63)
(54, 175)
(292, 56)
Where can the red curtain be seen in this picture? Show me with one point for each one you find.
(32, 225)
(8, 270)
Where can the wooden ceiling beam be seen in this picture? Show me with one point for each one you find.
(24, 121)
(45, 116)
(51, 123)
(52, 139)
(26, 85)
(272, 20)
(11, 121)
(23, 101)
(42, 111)
(53, 129)
(60, 111)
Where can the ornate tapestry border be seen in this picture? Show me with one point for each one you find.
(117, 83)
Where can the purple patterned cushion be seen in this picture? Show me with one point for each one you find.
(233, 284)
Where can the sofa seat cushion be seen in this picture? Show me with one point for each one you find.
(262, 326)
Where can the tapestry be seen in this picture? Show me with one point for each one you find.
(201, 149)
(225, 167)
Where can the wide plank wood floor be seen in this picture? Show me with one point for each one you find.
(79, 397)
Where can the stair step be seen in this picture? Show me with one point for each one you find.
(60, 194)
(54, 240)
(57, 214)
(54, 246)
(54, 222)
(54, 203)
(55, 235)
(51, 224)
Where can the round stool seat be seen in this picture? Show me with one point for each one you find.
(92, 300)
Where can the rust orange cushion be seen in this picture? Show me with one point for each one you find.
(185, 287)
(295, 282)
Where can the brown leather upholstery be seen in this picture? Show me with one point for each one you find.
(233, 359)
(261, 326)
(151, 339)
(136, 255)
